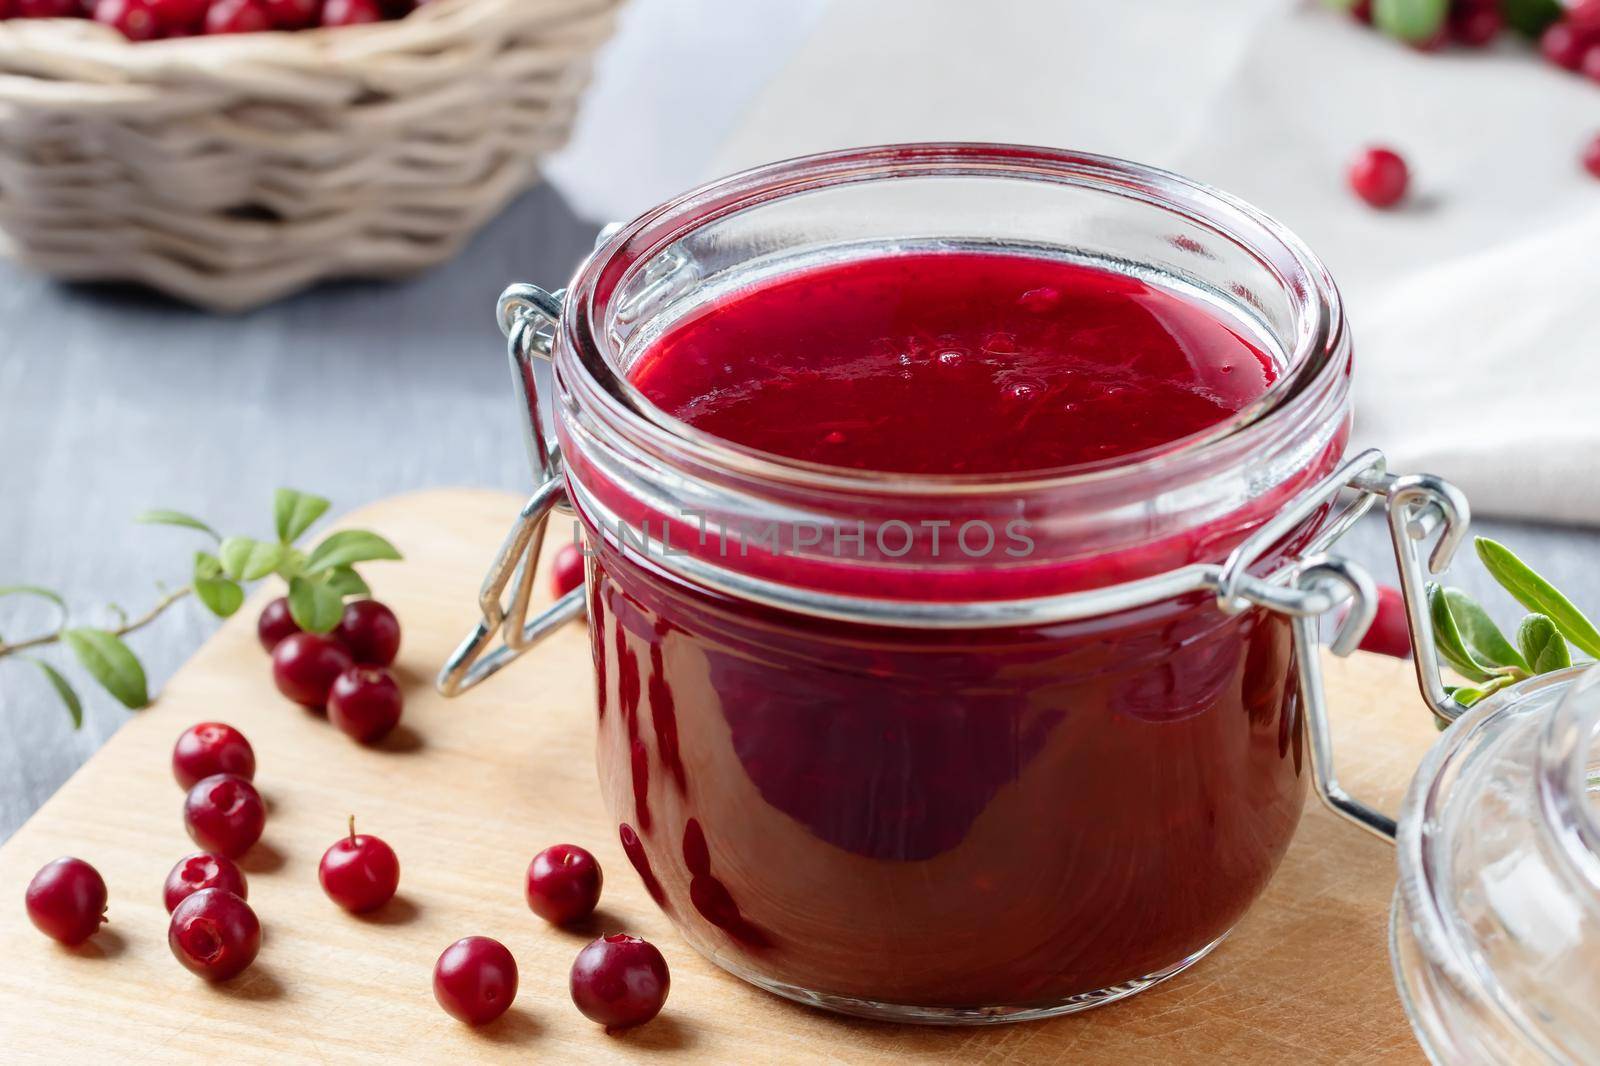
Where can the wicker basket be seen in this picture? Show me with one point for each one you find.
(230, 171)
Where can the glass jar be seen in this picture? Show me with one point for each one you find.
(1035, 771)
(1495, 931)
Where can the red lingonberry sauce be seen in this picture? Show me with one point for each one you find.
(950, 817)
(954, 363)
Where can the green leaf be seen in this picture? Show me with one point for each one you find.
(177, 518)
(244, 559)
(64, 689)
(1538, 595)
(206, 566)
(111, 663)
(1489, 646)
(295, 512)
(292, 565)
(220, 595)
(42, 593)
(1531, 17)
(1467, 695)
(1447, 636)
(1410, 20)
(315, 606)
(348, 547)
(1542, 645)
(346, 582)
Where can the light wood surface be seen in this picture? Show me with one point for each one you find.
(471, 788)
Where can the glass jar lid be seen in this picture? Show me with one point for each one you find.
(1496, 922)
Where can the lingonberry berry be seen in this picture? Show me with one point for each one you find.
(365, 703)
(475, 980)
(200, 871)
(350, 12)
(224, 814)
(1563, 44)
(292, 14)
(1476, 25)
(566, 569)
(304, 666)
(1591, 156)
(620, 981)
(370, 632)
(1390, 633)
(1590, 67)
(134, 19)
(236, 16)
(180, 17)
(67, 900)
(359, 873)
(214, 934)
(1380, 176)
(275, 624)
(563, 884)
(49, 9)
(212, 748)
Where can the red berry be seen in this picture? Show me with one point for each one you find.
(49, 9)
(236, 16)
(359, 873)
(475, 980)
(1590, 67)
(305, 665)
(365, 703)
(275, 624)
(1379, 176)
(1391, 632)
(134, 19)
(200, 871)
(67, 900)
(1563, 45)
(1361, 11)
(224, 814)
(350, 12)
(1591, 157)
(212, 748)
(566, 569)
(214, 934)
(1476, 26)
(620, 981)
(180, 17)
(563, 884)
(370, 632)
(291, 14)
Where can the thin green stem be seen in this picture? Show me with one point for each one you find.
(127, 626)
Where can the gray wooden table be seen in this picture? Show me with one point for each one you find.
(113, 401)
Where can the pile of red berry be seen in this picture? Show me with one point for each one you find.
(618, 981)
(147, 20)
(1573, 42)
(345, 671)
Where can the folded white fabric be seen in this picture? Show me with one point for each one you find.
(1476, 307)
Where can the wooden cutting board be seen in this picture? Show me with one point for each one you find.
(471, 788)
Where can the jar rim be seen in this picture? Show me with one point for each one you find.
(1313, 356)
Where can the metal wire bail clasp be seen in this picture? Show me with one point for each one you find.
(1418, 507)
(528, 317)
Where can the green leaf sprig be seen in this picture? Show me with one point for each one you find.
(1473, 646)
(319, 582)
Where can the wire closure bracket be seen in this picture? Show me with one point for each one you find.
(528, 316)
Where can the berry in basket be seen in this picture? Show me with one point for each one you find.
(147, 20)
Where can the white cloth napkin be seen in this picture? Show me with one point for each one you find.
(1476, 308)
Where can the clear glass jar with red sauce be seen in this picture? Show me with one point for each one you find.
(891, 718)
